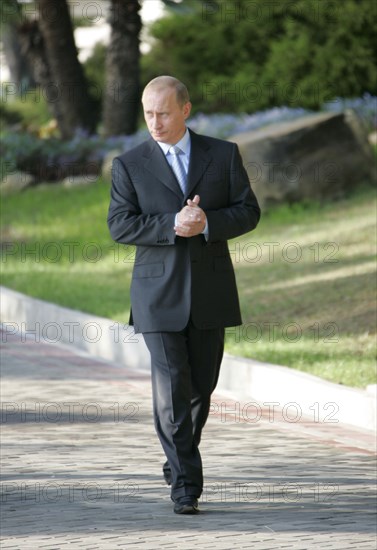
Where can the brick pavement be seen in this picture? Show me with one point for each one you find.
(81, 467)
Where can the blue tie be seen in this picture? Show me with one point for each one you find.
(178, 168)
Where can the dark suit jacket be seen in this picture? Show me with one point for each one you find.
(174, 277)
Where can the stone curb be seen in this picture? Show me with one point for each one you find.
(49, 323)
(295, 392)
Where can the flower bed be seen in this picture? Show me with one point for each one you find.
(53, 159)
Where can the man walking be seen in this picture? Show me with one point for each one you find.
(179, 197)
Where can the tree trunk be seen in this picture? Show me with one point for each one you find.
(20, 71)
(68, 83)
(33, 48)
(122, 91)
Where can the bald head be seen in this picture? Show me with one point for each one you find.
(169, 82)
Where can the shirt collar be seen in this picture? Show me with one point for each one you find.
(184, 144)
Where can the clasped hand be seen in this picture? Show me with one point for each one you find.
(191, 220)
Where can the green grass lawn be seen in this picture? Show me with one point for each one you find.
(306, 276)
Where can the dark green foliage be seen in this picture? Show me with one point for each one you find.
(240, 56)
(9, 117)
(94, 68)
(50, 159)
(327, 51)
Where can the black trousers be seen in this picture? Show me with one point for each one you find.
(185, 370)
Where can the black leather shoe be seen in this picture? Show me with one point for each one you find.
(186, 505)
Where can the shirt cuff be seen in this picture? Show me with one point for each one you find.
(205, 230)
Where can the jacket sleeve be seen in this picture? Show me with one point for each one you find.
(127, 224)
(242, 213)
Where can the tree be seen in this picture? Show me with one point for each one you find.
(68, 79)
(33, 47)
(239, 55)
(122, 89)
(326, 51)
(219, 49)
(20, 71)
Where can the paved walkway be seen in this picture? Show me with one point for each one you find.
(81, 467)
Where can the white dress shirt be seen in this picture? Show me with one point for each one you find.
(185, 146)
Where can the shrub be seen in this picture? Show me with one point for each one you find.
(30, 111)
(49, 159)
(260, 54)
(52, 159)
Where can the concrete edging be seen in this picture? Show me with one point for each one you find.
(50, 323)
(240, 378)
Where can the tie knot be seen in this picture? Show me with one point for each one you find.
(175, 150)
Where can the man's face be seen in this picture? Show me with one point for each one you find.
(165, 118)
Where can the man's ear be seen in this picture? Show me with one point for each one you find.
(187, 109)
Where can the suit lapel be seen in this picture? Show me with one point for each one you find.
(156, 164)
(199, 161)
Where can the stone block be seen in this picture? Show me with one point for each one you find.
(74, 181)
(319, 156)
(17, 181)
(107, 164)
